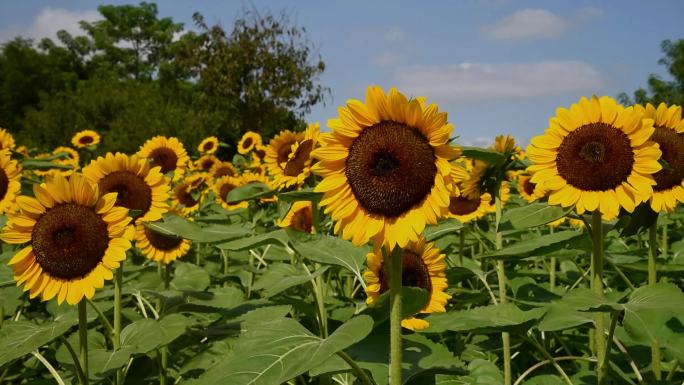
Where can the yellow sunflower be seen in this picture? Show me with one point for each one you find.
(249, 141)
(139, 187)
(385, 167)
(160, 247)
(252, 177)
(576, 223)
(297, 168)
(220, 169)
(188, 194)
(76, 238)
(209, 145)
(300, 217)
(85, 138)
(167, 153)
(279, 149)
(529, 191)
(557, 223)
(6, 140)
(70, 160)
(596, 156)
(206, 162)
(669, 134)
(469, 208)
(422, 266)
(225, 185)
(10, 182)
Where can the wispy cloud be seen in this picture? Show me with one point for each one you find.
(474, 82)
(528, 24)
(48, 21)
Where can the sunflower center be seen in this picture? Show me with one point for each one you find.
(672, 146)
(248, 142)
(529, 187)
(414, 273)
(162, 241)
(595, 157)
(208, 146)
(69, 240)
(206, 164)
(185, 197)
(296, 165)
(260, 153)
(86, 139)
(225, 189)
(284, 152)
(390, 168)
(302, 220)
(132, 191)
(223, 171)
(4, 184)
(165, 158)
(462, 205)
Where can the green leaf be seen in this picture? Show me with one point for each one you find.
(277, 237)
(189, 277)
(490, 318)
(538, 245)
(413, 300)
(279, 350)
(176, 226)
(560, 317)
(248, 192)
(142, 336)
(448, 226)
(101, 361)
(173, 326)
(532, 215)
(654, 313)
(42, 164)
(480, 372)
(639, 221)
(330, 250)
(22, 337)
(280, 276)
(490, 156)
(302, 195)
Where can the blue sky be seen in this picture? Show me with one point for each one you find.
(496, 66)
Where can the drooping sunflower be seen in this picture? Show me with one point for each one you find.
(188, 194)
(300, 217)
(529, 191)
(85, 139)
(223, 169)
(167, 153)
(209, 145)
(469, 208)
(10, 181)
(160, 247)
(206, 162)
(249, 141)
(669, 134)
(483, 181)
(139, 186)
(225, 185)
(6, 140)
(505, 144)
(297, 168)
(596, 156)
(76, 238)
(422, 266)
(385, 167)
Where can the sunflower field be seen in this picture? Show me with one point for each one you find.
(374, 251)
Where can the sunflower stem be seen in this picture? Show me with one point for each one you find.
(358, 371)
(395, 283)
(461, 244)
(664, 246)
(552, 268)
(501, 276)
(652, 280)
(116, 337)
(597, 287)
(83, 339)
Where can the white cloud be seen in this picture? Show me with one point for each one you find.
(48, 22)
(473, 82)
(528, 24)
(384, 59)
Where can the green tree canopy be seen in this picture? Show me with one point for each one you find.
(660, 90)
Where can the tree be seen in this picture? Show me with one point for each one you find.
(660, 90)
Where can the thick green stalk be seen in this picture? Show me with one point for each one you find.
(83, 339)
(395, 282)
(652, 280)
(163, 351)
(552, 268)
(501, 276)
(597, 287)
(664, 240)
(461, 245)
(116, 337)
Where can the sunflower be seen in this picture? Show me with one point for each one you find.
(167, 153)
(469, 208)
(557, 223)
(252, 177)
(249, 141)
(279, 149)
(6, 140)
(422, 266)
(300, 217)
(669, 134)
(385, 167)
(187, 195)
(70, 160)
(596, 156)
(225, 185)
(85, 138)
(139, 187)
(76, 238)
(10, 185)
(209, 145)
(297, 168)
(220, 169)
(529, 191)
(206, 162)
(160, 247)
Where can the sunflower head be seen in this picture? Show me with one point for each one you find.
(138, 186)
(69, 157)
(85, 139)
(74, 237)
(160, 247)
(279, 149)
(528, 190)
(223, 169)
(297, 167)
(249, 141)
(300, 217)
(596, 156)
(467, 208)
(209, 145)
(206, 162)
(669, 134)
(422, 266)
(6, 140)
(385, 167)
(188, 194)
(254, 177)
(167, 153)
(222, 187)
(10, 181)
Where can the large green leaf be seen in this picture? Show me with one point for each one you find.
(532, 215)
(189, 277)
(560, 317)
(333, 251)
(176, 226)
(302, 195)
(277, 237)
(277, 351)
(480, 372)
(22, 337)
(539, 245)
(484, 319)
(142, 336)
(653, 313)
(280, 276)
(249, 191)
(490, 156)
(449, 226)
